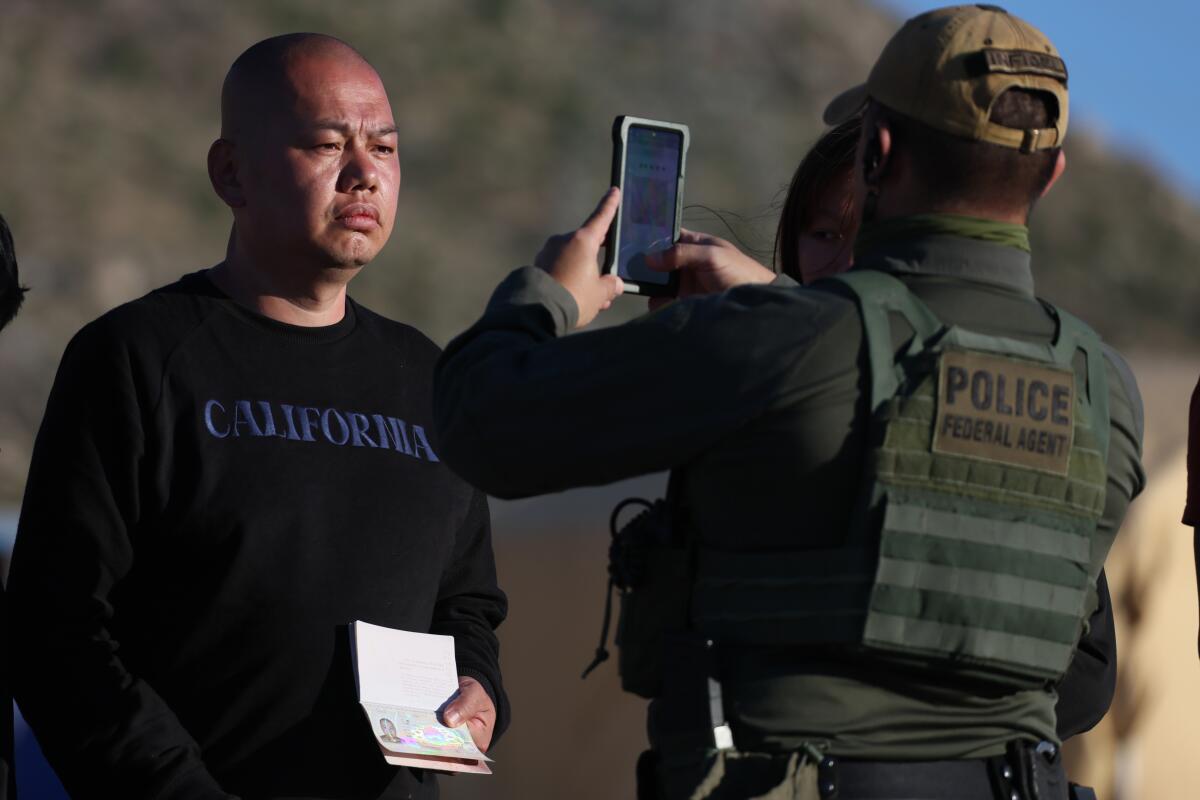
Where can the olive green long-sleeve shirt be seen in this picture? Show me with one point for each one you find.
(760, 395)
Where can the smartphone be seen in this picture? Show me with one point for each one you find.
(648, 165)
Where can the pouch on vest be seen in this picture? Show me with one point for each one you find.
(977, 521)
(649, 566)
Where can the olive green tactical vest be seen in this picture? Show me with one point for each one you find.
(977, 524)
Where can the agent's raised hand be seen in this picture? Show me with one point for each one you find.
(707, 265)
(572, 259)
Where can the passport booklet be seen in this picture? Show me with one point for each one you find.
(404, 679)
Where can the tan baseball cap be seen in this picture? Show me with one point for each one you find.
(947, 66)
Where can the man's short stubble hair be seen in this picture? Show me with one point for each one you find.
(258, 80)
(962, 171)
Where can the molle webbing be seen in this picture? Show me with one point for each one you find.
(791, 597)
(982, 558)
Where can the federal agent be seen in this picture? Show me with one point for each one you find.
(817, 225)
(867, 602)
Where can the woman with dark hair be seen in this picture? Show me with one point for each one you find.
(816, 228)
(818, 220)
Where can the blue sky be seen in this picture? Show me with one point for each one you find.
(1134, 73)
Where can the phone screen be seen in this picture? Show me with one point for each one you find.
(649, 186)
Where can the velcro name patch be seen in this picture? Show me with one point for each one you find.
(1005, 410)
(1024, 62)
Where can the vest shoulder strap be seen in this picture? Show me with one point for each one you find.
(1074, 334)
(879, 295)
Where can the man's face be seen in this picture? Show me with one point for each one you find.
(321, 173)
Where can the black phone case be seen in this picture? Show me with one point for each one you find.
(619, 135)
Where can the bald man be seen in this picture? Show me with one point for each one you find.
(237, 465)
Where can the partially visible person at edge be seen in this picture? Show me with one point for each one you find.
(880, 601)
(234, 467)
(1191, 511)
(817, 226)
(11, 296)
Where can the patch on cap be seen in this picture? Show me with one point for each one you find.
(1022, 62)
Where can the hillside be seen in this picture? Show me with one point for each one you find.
(504, 108)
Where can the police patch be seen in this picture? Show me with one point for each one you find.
(1005, 410)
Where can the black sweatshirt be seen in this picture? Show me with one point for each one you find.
(213, 497)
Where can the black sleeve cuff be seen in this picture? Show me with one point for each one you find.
(499, 700)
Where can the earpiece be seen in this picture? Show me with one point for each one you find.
(872, 156)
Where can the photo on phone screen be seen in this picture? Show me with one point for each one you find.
(650, 184)
(648, 165)
(648, 202)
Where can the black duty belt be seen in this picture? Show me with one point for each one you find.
(1026, 772)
